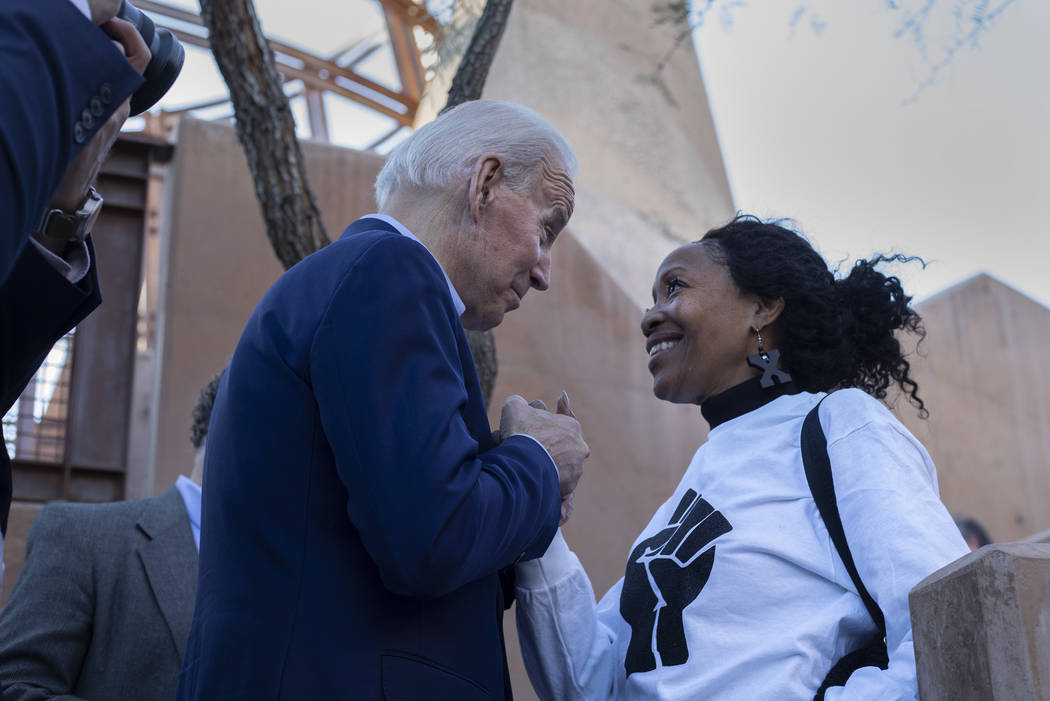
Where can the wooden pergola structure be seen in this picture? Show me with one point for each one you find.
(321, 74)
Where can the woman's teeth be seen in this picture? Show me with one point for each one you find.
(666, 345)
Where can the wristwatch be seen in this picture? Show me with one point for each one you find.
(61, 225)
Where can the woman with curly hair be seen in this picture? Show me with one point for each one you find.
(758, 578)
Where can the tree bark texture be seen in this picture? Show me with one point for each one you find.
(266, 129)
(483, 348)
(467, 84)
(473, 70)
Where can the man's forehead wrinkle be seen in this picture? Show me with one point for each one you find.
(558, 184)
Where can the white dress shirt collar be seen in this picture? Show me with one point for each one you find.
(84, 6)
(456, 301)
(190, 492)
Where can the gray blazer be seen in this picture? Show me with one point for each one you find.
(103, 606)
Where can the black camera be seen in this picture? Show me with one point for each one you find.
(166, 57)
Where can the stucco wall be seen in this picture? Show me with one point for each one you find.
(983, 374)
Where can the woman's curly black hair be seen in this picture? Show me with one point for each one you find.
(833, 333)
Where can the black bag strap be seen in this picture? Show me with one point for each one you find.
(822, 486)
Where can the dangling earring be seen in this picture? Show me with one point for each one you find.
(766, 361)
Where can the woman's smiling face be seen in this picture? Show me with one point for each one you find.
(699, 330)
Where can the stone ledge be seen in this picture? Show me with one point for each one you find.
(981, 626)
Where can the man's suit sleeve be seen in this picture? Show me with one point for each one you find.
(59, 71)
(433, 512)
(45, 628)
(38, 306)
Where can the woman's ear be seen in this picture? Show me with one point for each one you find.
(767, 311)
(488, 172)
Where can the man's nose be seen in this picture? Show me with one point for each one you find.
(540, 275)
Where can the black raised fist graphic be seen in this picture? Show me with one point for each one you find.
(665, 573)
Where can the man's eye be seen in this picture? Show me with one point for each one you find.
(673, 285)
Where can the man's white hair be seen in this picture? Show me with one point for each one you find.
(445, 150)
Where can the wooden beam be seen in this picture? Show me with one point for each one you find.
(318, 73)
(311, 74)
(413, 13)
(406, 54)
(316, 111)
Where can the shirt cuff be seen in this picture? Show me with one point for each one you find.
(83, 6)
(555, 564)
(74, 266)
(544, 449)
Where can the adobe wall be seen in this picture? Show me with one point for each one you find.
(983, 374)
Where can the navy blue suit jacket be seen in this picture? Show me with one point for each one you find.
(54, 67)
(356, 511)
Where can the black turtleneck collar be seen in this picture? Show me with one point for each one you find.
(742, 398)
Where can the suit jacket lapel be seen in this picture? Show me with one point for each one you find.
(169, 556)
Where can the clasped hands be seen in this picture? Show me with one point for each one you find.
(558, 432)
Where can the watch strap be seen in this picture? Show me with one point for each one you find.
(61, 225)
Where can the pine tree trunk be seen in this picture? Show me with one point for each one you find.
(266, 129)
(473, 69)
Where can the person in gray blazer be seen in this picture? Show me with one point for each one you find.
(103, 605)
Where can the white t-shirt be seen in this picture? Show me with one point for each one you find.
(734, 590)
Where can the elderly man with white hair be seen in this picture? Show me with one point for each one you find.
(357, 510)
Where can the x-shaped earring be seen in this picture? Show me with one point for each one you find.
(766, 361)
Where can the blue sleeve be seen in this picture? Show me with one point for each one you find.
(433, 511)
(55, 66)
(38, 306)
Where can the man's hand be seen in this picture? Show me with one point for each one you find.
(128, 40)
(559, 433)
(567, 505)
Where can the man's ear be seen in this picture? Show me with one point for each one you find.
(767, 311)
(488, 173)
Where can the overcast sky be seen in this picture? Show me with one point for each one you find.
(823, 117)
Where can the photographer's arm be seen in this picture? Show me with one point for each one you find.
(57, 66)
(72, 258)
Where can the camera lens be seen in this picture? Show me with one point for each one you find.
(166, 58)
